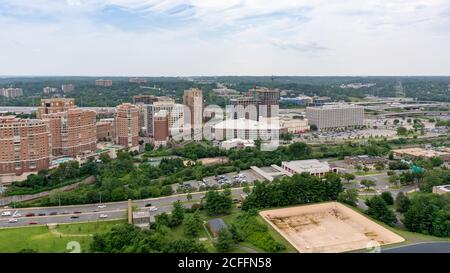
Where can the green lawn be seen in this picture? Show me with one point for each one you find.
(41, 239)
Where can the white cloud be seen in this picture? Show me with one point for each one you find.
(210, 37)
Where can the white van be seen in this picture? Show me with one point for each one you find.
(6, 213)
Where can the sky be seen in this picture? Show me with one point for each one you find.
(224, 37)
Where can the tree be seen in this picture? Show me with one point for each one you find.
(192, 224)
(379, 210)
(224, 241)
(368, 183)
(436, 161)
(402, 202)
(149, 147)
(246, 189)
(387, 197)
(402, 131)
(184, 246)
(218, 203)
(365, 169)
(177, 215)
(348, 177)
(349, 197)
(189, 196)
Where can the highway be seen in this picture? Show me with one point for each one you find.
(91, 212)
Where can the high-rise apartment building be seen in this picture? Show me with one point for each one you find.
(73, 131)
(24, 145)
(11, 92)
(161, 128)
(268, 101)
(102, 82)
(175, 114)
(48, 90)
(127, 125)
(137, 80)
(193, 99)
(49, 106)
(66, 88)
(144, 99)
(244, 107)
(335, 116)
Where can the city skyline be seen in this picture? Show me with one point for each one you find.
(186, 38)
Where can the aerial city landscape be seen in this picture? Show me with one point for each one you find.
(157, 128)
(185, 158)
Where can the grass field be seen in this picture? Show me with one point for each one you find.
(42, 239)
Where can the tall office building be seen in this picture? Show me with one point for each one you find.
(137, 80)
(127, 125)
(73, 132)
(193, 99)
(11, 92)
(48, 90)
(24, 145)
(67, 88)
(161, 128)
(175, 114)
(244, 107)
(104, 83)
(269, 102)
(144, 99)
(335, 116)
(49, 106)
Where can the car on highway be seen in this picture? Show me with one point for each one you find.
(153, 208)
(30, 214)
(65, 212)
(33, 223)
(41, 214)
(148, 205)
(53, 213)
(74, 217)
(6, 213)
(103, 216)
(102, 206)
(77, 212)
(12, 220)
(16, 215)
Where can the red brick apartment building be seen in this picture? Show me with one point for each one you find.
(24, 145)
(127, 125)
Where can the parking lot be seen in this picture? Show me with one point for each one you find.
(233, 179)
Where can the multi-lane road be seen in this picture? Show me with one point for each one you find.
(92, 212)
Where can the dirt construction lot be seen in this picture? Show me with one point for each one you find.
(328, 228)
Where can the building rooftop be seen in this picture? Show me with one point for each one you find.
(247, 124)
(312, 165)
(217, 224)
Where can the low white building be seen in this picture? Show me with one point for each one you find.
(268, 129)
(237, 143)
(312, 166)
